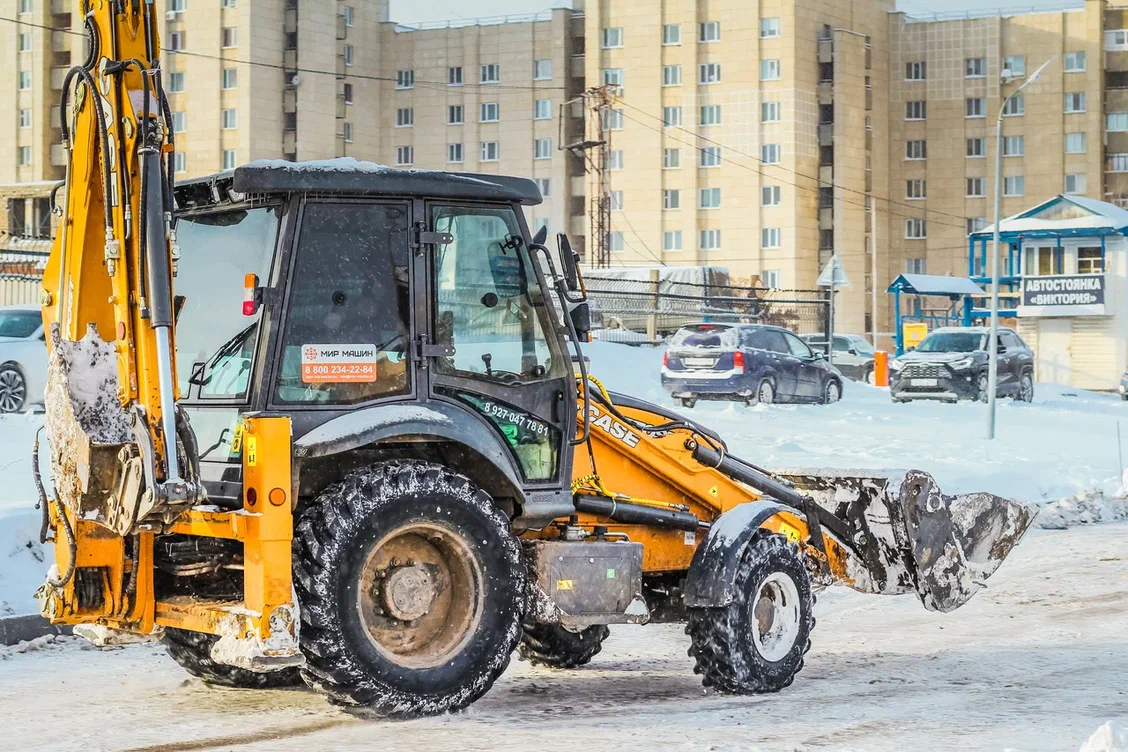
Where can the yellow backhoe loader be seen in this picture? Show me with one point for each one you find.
(331, 423)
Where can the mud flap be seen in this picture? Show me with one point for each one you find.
(904, 534)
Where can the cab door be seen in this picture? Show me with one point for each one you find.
(494, 343)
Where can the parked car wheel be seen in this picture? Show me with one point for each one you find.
(832, 392)
(688, 401)
(982, 385)
(870, 377)
(13, 389)
(1025, 389)
(765, 393)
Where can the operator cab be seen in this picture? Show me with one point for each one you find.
(377, 308)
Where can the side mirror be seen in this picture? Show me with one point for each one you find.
(541, 236)
(910, 348)
(1000, 348)
(819, 356)
(580, 313)
(568, 262)
(853, 351)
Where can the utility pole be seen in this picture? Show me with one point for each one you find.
(594, 148)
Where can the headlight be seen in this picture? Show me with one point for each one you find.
(961, 364)
(896, 365)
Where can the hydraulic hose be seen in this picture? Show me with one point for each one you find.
(637, 514)
(45, 523)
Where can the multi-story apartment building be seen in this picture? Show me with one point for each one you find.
(763, 137)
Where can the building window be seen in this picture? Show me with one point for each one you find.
(1014, 146)
(347, 12)
(230, 119)
(455, 153)
(769, 70)
(976, 224)
(1090, 261)
(1076, 184)
(456, 114)
(917, 149)
(771, 237)
(405, 117)
(180, 162)
(671, 198)
(1116, 40)
(613, 77)
(230, 37)
(25, 6)
(615, 159)
(454, 76)
(23, 156)
(177, 6)
(348, 92)
(347, 132)
(1075, 102)
(916, 265)
(542, 149)
(347, 53)
(1041, 261)
(671, 34)
(710, 73)
(710, 32)
(1076, 143)
(916, 189)
(1015, 106)
(975, 67)
(916, 229)
(405, 79)
(709, 198)
(710, 240)
(491, 73)
(1117, 163)
(976, 147)
(672, 116)
(542, 109)
(176, 41)
(975, 107)
(489, 112)
(545, 187)
(490, 151)
(1014, 185)
(976, 187)
(24, 42)
(769, 28)
(25, 80)
(25, 118)
(711, 114)
(229, 79)
(916, 71)
(405, 155)
(710, 156)
(671, 75)
(1016, 65)
(612, 37)
(770, 154)
(615, 242)
(229, 159)
(916, 110)
(1075, 62)
(542, 70)
(770, 278)
(769, 195)
(613, 120)
(672, 240)
(769, 112)
(616, 200)
(671, 159)
(1116, 122)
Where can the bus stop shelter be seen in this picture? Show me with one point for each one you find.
(959, 291)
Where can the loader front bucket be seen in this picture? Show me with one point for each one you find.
(905, 534)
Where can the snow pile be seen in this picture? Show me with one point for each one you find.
(1084, 508)
(41, 644)
(1108, 738)
(23, 561)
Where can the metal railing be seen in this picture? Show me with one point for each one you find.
(544, 15)
(21, 271)
(1012, 10)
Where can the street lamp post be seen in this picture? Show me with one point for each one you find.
(993, 337)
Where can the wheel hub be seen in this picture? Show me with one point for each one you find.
(776, 615)
(408, 592)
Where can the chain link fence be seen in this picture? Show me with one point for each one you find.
(648, 311)
(21, 274)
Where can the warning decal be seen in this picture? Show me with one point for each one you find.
(338, 363)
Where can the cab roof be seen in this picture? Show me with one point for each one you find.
(348, 176)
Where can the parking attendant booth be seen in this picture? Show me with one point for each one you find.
(1063, 269)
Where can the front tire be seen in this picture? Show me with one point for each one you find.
(554, 646)
(1025, 389)
(832, 392)
(756, 643)
(192, 650)
(411, 590)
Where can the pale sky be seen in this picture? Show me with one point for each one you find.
(409, 11)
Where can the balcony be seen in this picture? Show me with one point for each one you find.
(341, 105)
(342, 28)
(60, 41)
(826, 219)
(58, 76)
(58, 155)
(290, 60)
(289, 100)
(290, 24)
(342, 69)
(289, 142)
(826, 134)
(826, 50)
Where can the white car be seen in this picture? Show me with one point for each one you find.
(23, 358)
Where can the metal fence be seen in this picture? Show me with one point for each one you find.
(649, 310)
(21, 274)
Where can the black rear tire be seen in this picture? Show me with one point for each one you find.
(756, 643)
(554, 646)
(765, 392)
(192, 650)
(371, 641)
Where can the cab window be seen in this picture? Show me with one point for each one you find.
(345, 338)
(488, 303)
